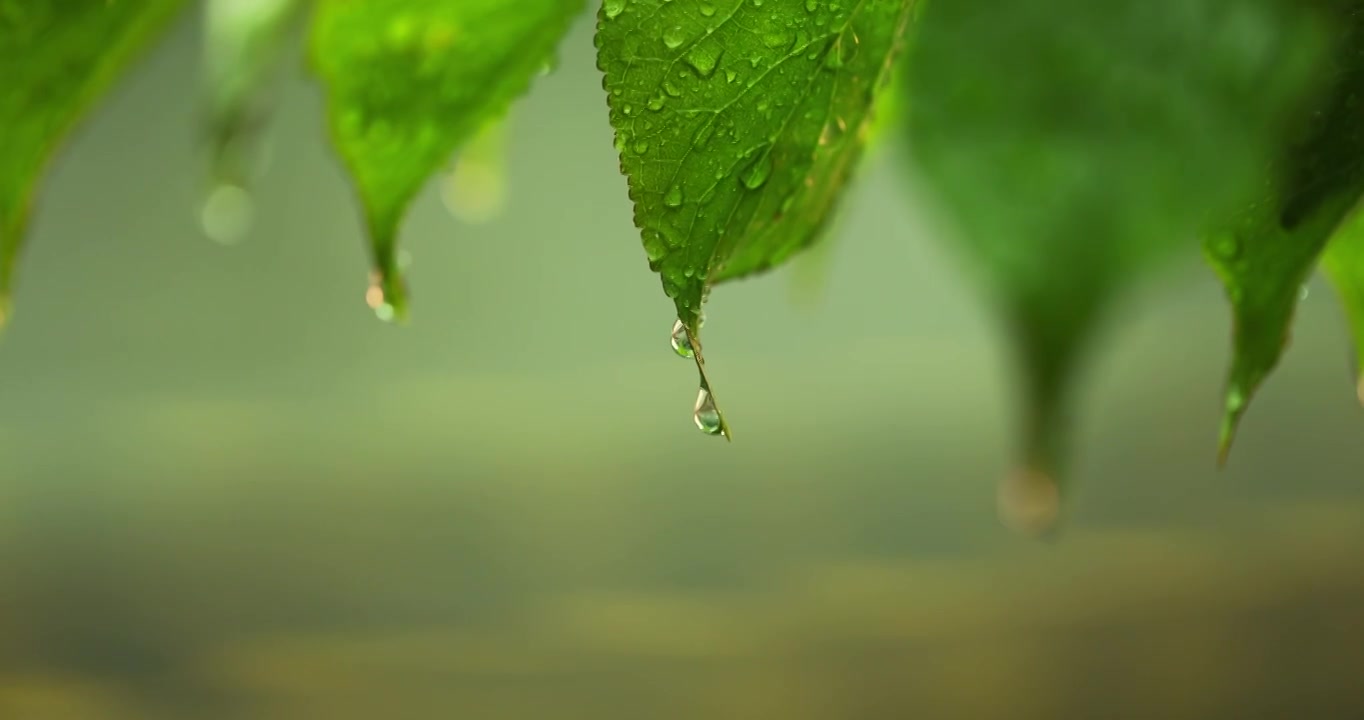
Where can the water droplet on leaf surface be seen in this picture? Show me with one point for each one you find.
(612, 8)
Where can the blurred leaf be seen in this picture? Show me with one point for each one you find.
(1344, 265)
(56, 58)
(1071, 161)
(408, 81)
(738, 124)
(244, 43)
(1268, 251)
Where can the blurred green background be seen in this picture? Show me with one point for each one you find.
(227, 491)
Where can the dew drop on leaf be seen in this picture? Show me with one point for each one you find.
(758, 171)
(706, 415)
(674, 196)
(703, 58)
(673, 37)
(612, 8)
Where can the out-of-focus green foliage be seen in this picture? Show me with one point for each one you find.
(56, 58)
(1070, 163)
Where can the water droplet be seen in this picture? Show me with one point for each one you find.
(1227, 248)
(680, 342)
(227, 213)
(377, 301)
(656, 102)
(671, 89)
(612, 8)
(673, 37)
(654, 245)
(756, 174)
(707, 9)
(811, 5)
(1303, 292)
(703, 58)
(674, 196)
(706, 415)
(730, 75)
(776, 39)
(641, 146)
(1029, 501)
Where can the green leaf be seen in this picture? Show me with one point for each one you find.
(56, 58)
(409, 81)
(1343, 263)
(1073, 156)
(738, 124)
(1268, 250)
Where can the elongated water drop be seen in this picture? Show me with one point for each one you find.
(707, 415)
(758, 171)
(680, 342)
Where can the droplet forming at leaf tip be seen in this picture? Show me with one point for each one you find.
(387, 297)
(1029, 501)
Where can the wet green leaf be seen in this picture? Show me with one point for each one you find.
(1344, 265)
(408, 81)
(1070, 162)
(738, 124)
(56, 58)
(1266, 253)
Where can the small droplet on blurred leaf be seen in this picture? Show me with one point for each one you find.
(1029, 501)
(475, 189)
(227, 214)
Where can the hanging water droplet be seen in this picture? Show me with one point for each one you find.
(227, 213)
(680, 342)
(673, 37)
(706, 415)
(612, 8)
(674, 196)
(758, 171)
(1029, 501)
(376, 299)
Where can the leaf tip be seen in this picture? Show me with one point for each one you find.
(1029, 501)
(1236, 400)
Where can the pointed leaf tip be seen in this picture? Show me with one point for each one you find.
(1266, 251)
(57, 57)
(410, 81)
(1084, 168)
